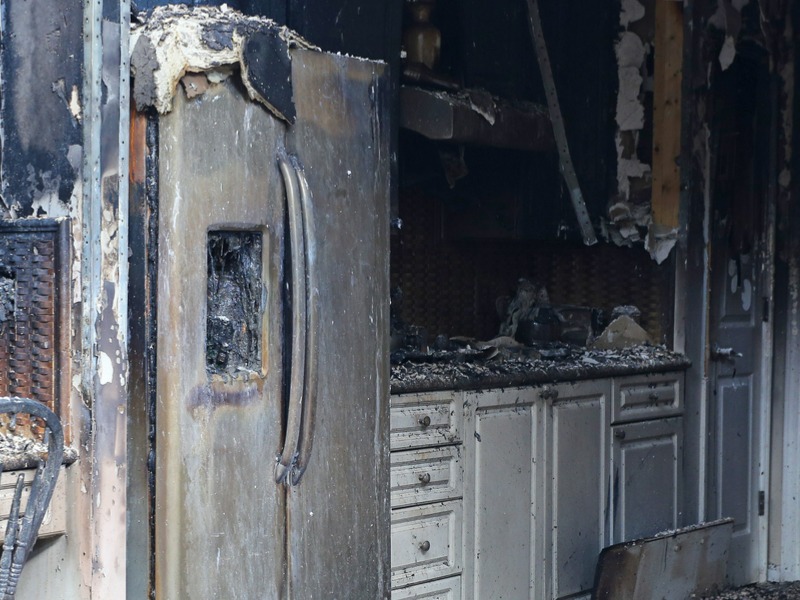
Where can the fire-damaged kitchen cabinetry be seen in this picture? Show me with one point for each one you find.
(426, 495)
(571, 506)
(544, 476)
(502, 436)
(646, 451)
(535, 493)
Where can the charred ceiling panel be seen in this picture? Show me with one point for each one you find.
(42, 59)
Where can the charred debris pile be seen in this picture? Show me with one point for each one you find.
(537, 342)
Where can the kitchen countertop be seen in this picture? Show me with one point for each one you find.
(509, 370)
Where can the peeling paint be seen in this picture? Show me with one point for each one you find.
(631, 11)
(630, 52)
(627, 217)
(660, 241)
(728, 52)
(75, 104)
(105, 369)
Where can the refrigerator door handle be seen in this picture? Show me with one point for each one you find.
(312, 329)
(286, 460)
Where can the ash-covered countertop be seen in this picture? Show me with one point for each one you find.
(471, 372)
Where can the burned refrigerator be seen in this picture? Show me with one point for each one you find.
(271, 417)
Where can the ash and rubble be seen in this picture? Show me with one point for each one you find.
(760, 591)
(474, 368)
(537, 343)
(22, 452)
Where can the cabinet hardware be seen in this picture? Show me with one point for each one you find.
(425, 546)
(653, 397)
(425, 478)
(425, 421)
(619, 434)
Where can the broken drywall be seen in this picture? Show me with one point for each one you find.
(630, 51)
(177, 40)
(629, 211)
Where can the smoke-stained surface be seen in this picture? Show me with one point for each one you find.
(42, 61)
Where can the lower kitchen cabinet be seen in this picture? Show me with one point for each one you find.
(426, 542)
(426, 496)
(574, 495)
(646, 474)
(500, 440)
(443, 589)
(527, 485)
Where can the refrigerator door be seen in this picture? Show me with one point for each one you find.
(220, 517)
(338, 513)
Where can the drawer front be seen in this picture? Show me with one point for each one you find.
(55, 519)
(426, 542)
(444, 589)
(645, 397)
(420, 420)
(428, 475)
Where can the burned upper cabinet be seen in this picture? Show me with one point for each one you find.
(42, 112)
(494, 163)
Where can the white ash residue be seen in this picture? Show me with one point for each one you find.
(18, 448)
(527, 366)
(761, 591)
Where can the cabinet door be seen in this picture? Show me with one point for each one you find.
(646, 470)
(500, 448)
(573, 501)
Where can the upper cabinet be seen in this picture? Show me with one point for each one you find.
(473, 96)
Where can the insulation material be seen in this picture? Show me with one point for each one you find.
(176, 40)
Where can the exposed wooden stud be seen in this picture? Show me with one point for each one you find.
(667, 113)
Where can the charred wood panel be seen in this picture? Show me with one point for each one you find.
(41, 61)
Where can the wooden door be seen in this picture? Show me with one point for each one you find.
(739, 291)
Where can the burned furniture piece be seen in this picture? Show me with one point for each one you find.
(32, 432)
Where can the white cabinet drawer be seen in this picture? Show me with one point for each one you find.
(429, 419)
(426, 542)
(645, 397)
(55, 519)
(427, 475)
(444, 589)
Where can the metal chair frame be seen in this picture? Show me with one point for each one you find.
(21, 532)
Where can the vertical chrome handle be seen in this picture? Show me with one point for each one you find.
(288, 456)
(312, 329)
